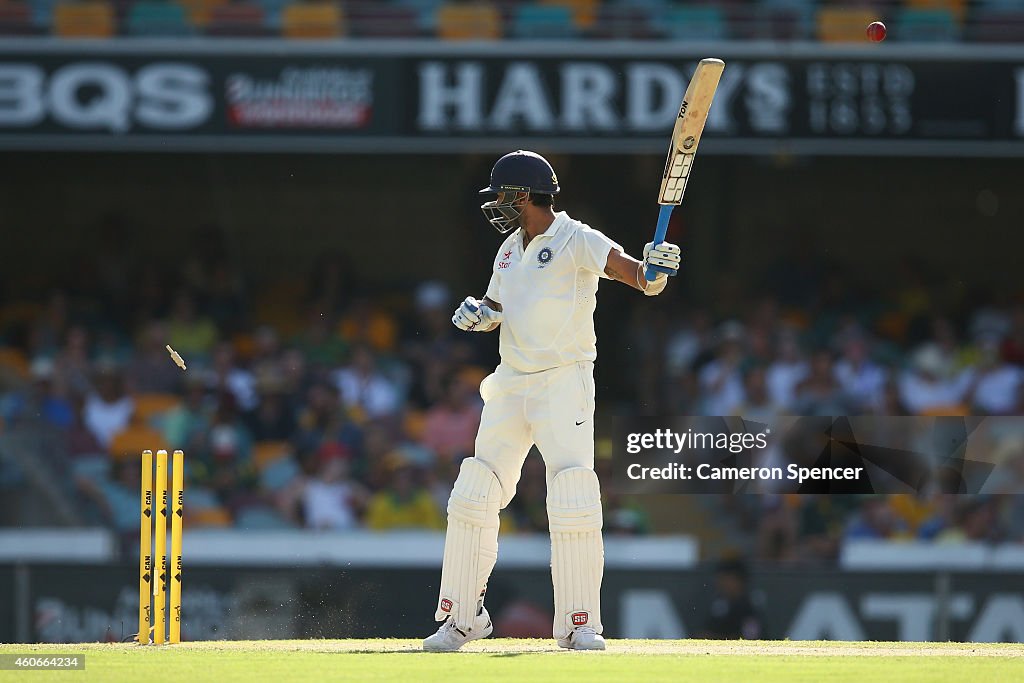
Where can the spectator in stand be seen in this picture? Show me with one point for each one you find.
(926, 387)
(403, 503)
(757, 404)
(273, 418)
(875, 521)
(820, 393)
(1013, 346)
(860, 379)
(368, 324)
(331, 499)
(430, 344)
(318, 343)
(450, 429)
(364, 388)
(185, 426)
(73, 364)
(787, 371)
(228, 376)
(266, 349)
(689, 343)
(108, 410)
(39, 401)
(998, 386)
(224, 459)
(117, 498)
(528, 510)
(148, 371)
(721, 380)
(976, 521)
(49, 330)
(191, 334)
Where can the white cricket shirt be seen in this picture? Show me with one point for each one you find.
(548, 293)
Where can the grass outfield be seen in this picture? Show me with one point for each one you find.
(497, 660)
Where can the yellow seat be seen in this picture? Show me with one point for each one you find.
(478, 21)
(148, 405)
(15, 361)
(19, 313)
(208, 517)
(84, 20)
(844, 24)
(584, 12)
(134, 439)
(473, 374)
(955, 410)
(312, 20)
(266, 452)
(200, 11)
(415, 424)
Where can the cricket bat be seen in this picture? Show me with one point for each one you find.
(693, 113)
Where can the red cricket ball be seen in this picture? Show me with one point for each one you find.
(876, 31)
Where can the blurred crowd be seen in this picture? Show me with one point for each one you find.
(315, 405)
(818, 343)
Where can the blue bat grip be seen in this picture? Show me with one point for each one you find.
(659, 237)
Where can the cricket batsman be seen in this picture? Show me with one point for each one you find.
(542, 295)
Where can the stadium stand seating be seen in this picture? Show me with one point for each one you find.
(16, 19)
(843, 24)
(150, 18)
(910, 21)
(476, 21)
(695, 23)
(84, 20)
(312, 20)
(237, 19)
(200, 11)
(584, 12)
(543, 21)
(382, 20)
(926, 25)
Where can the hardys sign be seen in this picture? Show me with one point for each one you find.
(399, 96)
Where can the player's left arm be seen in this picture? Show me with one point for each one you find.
(626, 269)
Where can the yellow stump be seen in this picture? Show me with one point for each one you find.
(160, 568)
(177, 512)
(146, 547)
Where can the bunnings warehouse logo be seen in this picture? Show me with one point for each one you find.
(301, 98)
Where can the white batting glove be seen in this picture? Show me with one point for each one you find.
(665, 256)
(474, 316)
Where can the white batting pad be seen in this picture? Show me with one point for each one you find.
(471, 543)
(577, 549)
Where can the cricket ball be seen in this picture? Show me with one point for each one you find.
(876, 31)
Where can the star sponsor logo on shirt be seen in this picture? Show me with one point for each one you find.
(505, 263)
(544, 256)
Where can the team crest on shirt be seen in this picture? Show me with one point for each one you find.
(544, 256)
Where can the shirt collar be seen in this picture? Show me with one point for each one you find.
(560, 220)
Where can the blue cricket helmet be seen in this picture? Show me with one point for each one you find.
(515, 176)
(522, 171)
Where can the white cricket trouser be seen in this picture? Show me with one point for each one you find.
(553, 409)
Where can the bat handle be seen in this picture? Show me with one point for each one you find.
(659, 237)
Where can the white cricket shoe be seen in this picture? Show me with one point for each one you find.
(582, 638)
(449, 638)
